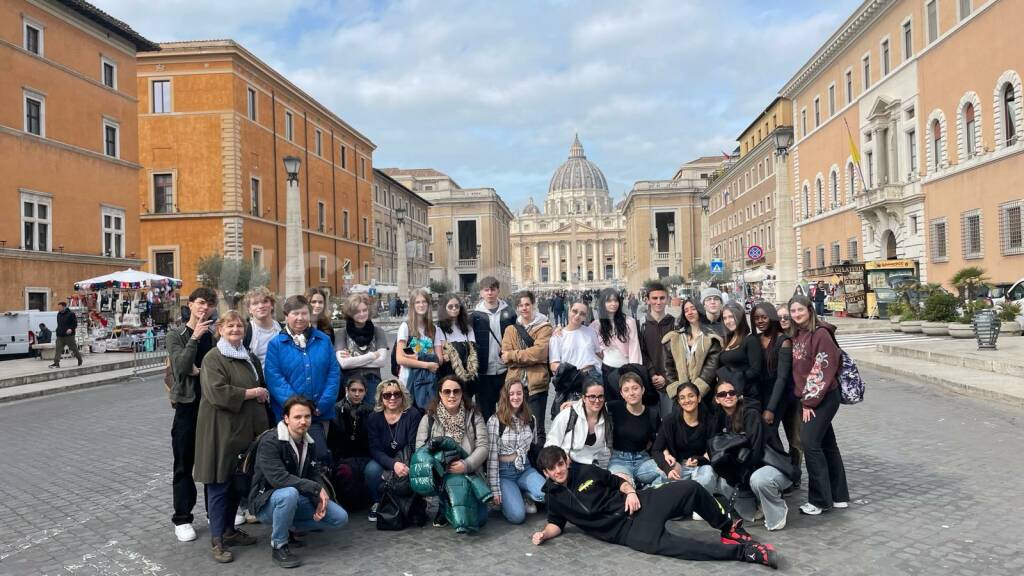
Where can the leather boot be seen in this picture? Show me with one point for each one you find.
(220, 553)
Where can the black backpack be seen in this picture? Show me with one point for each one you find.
(241, 480)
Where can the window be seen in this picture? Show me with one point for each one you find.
(870, 161)
(321, 216)
(914, 225)
(35, 113)
(35, 221)
(932, 12)
(817, 111)
(250, 103)
(851, 182)
(343, 157)
(965, 8)
(1011, 231)
(362, 167)
(851, 249)
(163, 262)
(111, 139)
(833, 186)
(835, 253)
(430, 256)
(807, 259)
(254, 197)
(939, 252)
(366, 271)
(970, 234)
(885, 57)
(376, 235)
(161, 96)
(113, 232)
(366, 229)
(912, 151)
(344, 223)
(821, 256)
(163, 193)
(318, 143)
(908, 40)
(803, 121)
(33, 32)
(289, 126)
(866, 67)
(831, 100)
(323, 268)
(819, 195)
(970, 130)
(849, 86)
(936, 145)
(108, 73)
(1009, 109)
(807, 202)
(257, 257)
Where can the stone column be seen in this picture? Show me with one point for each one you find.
(616, 267)
(295, 263)
(785, 235)
(536, 263)
(403, 261)
(600, 259)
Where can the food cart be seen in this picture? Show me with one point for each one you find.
(845, 285)
(887, 274)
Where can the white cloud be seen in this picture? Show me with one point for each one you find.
(492, 92)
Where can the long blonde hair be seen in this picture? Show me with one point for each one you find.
(505, 412)
(413, 321)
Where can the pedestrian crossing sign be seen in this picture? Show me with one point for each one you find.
(717, 265)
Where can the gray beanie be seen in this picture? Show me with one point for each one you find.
(710, 292)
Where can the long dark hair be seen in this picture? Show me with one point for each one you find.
(323, 319)
(736, 420)
(602, 414)
(616, 323)
(702, 411)
(773, 331)
(702, 318)
(742, 328)
(444, 321)
(436, 402)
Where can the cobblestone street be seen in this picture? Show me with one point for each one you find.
(934, 480)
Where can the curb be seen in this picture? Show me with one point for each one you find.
(953, 386)
(79, 386)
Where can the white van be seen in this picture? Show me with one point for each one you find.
(15, 326)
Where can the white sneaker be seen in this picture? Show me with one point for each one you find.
(841, 505)
(810, 509)
(697, 517)
(184, 532)
(778, 526)
(239, 518)
(530, 506)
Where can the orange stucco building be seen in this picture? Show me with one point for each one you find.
(215, 125)
(69, 163)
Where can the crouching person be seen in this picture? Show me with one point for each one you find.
(286, 491)
(608, 508)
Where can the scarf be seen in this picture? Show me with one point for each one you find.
(363, 337)
(466, 370)
(453, 426)
(239, 353)
(299, 339)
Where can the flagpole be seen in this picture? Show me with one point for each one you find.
(855, 153)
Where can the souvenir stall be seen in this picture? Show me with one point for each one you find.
(125, 307)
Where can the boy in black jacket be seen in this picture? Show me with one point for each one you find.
(608, 508)
(286, 491)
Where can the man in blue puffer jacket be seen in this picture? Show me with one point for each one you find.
(301, 361)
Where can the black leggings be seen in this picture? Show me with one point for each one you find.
(826, 475)
(647, 532)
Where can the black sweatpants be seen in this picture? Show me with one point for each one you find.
(488, 388)
(183, 448)
(826, 475)
(647, 532)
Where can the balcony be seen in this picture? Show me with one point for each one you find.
(888, 195)
(661, 257)
(467, 264)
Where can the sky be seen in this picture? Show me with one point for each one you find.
(491, 92)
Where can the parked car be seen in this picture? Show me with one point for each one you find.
(997, 292)
(15, 327)
(1014, 294)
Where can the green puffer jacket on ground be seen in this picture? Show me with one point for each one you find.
(460, 494)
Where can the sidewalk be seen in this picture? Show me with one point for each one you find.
(31, 377)
(955, 364)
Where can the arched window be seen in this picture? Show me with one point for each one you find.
(970, 130)
(820, 194)
(807, 201)
(936, 144)
(851, 182)
(833, 186)
(1009, 114)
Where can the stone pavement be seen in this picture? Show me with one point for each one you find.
(934, 479)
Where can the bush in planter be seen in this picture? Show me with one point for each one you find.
(1009, 312)
(897, 308)
(940, 307)
(910, 313)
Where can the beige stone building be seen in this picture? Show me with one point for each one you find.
(577, 240)
(468, 229)
(394, 205)
(750, 208)
(69, 153)
(664, 224)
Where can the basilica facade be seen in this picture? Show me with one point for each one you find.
(577, 240)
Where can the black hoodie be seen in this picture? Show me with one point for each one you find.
(591, 499)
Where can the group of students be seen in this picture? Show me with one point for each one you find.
(633, 442)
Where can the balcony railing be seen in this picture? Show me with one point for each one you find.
(466, 263)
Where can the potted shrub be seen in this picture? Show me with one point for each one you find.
(961, 327)
(896, 310)
(1008, 320)
(910, 321)
(939, 311)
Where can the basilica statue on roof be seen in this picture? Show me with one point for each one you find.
(576, 241)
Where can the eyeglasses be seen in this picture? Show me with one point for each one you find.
(595, 397)
(451, 392)
(391, 395)
(453, 306)
(726, 394)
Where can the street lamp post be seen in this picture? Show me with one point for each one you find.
(449, 267)
(295, 269)
(403, 262)
(786, 273)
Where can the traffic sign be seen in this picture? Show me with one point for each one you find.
(717, 266)
(755, 252)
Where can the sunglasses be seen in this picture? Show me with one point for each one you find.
(391, 395)
(784, 318)
(451, 392)
(594, 397)
(726, 394)
(453, 306)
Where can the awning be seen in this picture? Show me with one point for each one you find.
(128, 279)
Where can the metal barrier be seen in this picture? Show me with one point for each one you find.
(148, 352)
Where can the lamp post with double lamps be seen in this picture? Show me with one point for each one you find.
(449, 263)
(295, 269)
(403, 261)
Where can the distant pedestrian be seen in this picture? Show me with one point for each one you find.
(634, 303)
(67, 323)
(44, 336)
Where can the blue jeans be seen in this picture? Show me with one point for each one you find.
(287, 509)
(513, 484)
(639, 466)
(703, 475)
(372, 476)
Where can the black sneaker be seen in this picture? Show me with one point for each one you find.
(735, 534)
(284, 558)
(440, 519)
(763, 554)
(294, 541)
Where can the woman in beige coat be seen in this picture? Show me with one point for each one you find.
(691, 351)
(232, 414)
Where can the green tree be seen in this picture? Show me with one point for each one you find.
(440, 286)
(967, 280)
(233, 277)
